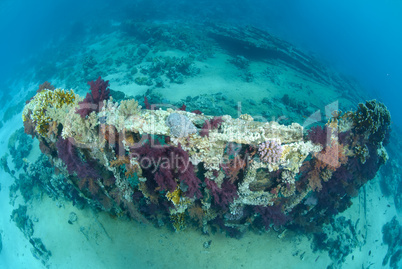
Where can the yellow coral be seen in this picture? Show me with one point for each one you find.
(41, 102)
(178, 221)
(180, 202)
(174, 196)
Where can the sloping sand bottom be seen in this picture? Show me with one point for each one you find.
(96, 240)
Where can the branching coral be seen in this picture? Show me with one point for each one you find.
(178, 221)
(83, 130)
(270, 151)
(46, 85)
(128, 108)
(35, 110)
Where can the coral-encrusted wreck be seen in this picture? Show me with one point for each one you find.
(173, 166)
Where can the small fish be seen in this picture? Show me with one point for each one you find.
(282, 234)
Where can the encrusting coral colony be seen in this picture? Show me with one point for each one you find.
(186, 168)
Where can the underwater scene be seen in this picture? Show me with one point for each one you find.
(200, 134)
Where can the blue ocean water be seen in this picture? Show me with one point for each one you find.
(361, 40)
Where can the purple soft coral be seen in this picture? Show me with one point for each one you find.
(67, 152)
(94, 100)
(166, 164)
(186, 172)
(318, 135)
(150, 159)
(224, 195)
(213, 123)
(271, 215)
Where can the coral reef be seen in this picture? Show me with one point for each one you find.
(19, 146)
(392, 236)
(25, 224)
(158, 70)
(240, 62)
(339, 238)
(186, 168)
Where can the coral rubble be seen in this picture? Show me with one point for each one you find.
(184, 168)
